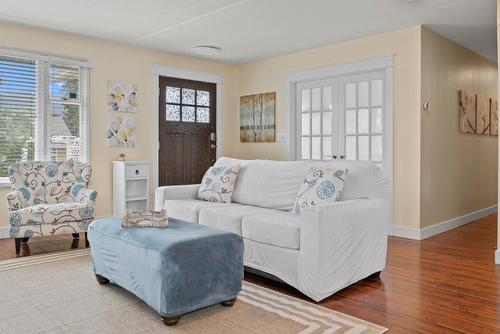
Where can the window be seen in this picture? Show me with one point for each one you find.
(43, 110)
(187, 105)
(341, 118)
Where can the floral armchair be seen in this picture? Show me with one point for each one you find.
(48, 198)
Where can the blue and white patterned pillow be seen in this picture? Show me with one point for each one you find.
(321, 185)
(218, 183)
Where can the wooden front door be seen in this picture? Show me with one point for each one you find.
(187, 130)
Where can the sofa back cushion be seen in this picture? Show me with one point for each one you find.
(49, 182)
(274, 184)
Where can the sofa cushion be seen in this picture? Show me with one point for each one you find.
(267, 183)
(218, 183)
(274, 184)
(187, 209)
(277, 229)
(228, 218)
(321, 185)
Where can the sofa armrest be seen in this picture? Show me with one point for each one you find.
(15, 200)
(189, 191)
(341, 243)
(88, 196)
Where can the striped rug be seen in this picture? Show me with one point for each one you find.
(57, 293)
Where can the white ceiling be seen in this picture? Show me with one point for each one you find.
(248, 30)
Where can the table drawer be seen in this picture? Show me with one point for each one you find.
(136, 171)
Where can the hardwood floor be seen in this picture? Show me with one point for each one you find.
(445, 284)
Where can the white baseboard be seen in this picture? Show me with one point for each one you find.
(426, 232)
(4, 232)
(497, 256)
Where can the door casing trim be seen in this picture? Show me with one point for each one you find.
(188, 74)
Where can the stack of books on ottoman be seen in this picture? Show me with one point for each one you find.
(145, 218)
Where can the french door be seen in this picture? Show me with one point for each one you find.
(342, 118)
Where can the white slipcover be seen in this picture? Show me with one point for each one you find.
(321, 251)
(188, 209)
(277, 229)
(229, 218)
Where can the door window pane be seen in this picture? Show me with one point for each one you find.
(306, 99)
(306, 153)
(327, 123)
(363, 121)
(173, 94)
(350, 95)
(350, 121)
(363, 94)
(327, 98)
(377, 148)
(376, 92)
(316, 123)
(350, 148)
(363, 148)
(377, 120)
(327, 148)
(316, 148)
(202, 115)
(173, 113)
(203, 98)
(188, 96)
(316, 99)
(306, 124)
(187, 114)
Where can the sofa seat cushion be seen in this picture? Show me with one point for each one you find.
(50, 214)
(277, 229)
(228, 218)
(188, 209)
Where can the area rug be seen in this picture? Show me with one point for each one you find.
(58, 293)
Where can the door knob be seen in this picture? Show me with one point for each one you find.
(213, 146)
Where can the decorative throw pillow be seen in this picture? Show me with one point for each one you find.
(218, 183)
(321, 185)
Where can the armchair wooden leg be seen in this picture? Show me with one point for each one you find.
(87, 244)
(228, 303)
(18, 246)
(76, 235)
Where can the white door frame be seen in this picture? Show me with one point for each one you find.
(384, 64)
(188, 74)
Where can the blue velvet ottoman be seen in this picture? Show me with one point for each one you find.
(175, 270)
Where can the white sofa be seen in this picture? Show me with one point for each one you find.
(321, 251)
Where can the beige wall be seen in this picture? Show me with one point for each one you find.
(498, 83)
(113, 61)
(458, 171)
(268, 75)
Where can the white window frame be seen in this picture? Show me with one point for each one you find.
(42, 151)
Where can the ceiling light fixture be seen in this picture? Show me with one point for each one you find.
(206, 50)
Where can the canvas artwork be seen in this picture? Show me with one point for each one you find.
(483, 115)
(121, 131)
(467, 107)
(258, 118)
(122, 96)
(494, 117)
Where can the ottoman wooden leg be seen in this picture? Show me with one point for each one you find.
(228, 303)
(171, 321)
(101, 279)
(375, 275)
